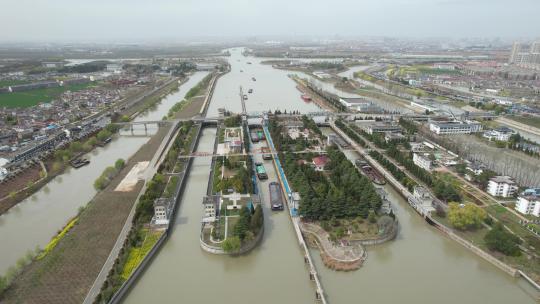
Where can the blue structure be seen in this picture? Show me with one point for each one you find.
(280, 169)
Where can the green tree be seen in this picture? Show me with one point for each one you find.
(499, 239)
(103, 135)
(467, 216)
(119, 164)
(257, 220)
(232, 244)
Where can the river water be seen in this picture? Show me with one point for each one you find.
(36, 219)
(420, 266)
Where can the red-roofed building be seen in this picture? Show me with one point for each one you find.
(320, 161)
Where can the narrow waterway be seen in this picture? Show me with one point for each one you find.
(273, 272)
(36, 219)
(421, 266)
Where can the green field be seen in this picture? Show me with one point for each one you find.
(30, 98)
(5, 83)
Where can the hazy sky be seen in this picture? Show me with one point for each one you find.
(140, 20)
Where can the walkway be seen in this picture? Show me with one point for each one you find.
(343, 254)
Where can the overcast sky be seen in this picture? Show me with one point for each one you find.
(154, 20)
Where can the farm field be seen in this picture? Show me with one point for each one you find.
(30, 98)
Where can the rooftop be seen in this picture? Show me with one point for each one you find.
(502, 179)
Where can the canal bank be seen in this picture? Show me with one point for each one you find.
(490, 268)
(36, 219)
(420, 266)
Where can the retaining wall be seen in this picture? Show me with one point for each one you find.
(390, 236)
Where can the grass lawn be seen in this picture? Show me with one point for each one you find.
(231, 221)
(30, 98)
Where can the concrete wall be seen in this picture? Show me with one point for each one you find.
(388, 237)
(243, 250)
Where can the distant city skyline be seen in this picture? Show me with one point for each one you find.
(162, 20)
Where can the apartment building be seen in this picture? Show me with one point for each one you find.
(502, 186)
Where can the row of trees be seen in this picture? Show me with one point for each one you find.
(408, 125)
(407, 162)
(200, 86)
(330, 98)
(108, 174)
(311, 125)
(395, 171)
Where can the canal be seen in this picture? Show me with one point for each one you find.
(421, 266)
(36, 219)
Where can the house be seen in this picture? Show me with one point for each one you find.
(502, 186)
(162, 211)
(319, 162)
(528, 205)
(423, 161)
(499, 134)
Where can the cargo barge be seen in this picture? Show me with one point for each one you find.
(276, 198)
(371, 173)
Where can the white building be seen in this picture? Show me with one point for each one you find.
(161, 211)
(528, 205)
(454, 127)
(422, 161)
(502, 186)
(499, 134)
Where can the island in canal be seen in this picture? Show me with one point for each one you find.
(233, 221)
(340, 209)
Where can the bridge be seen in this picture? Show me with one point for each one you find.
(212, 121)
